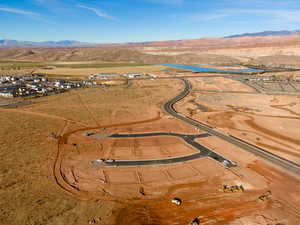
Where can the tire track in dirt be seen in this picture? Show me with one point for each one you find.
(60, 178)
(270, 116)
(267, 146)
(92, 115)
(229, 125)
(87, 109)
(64, 128)
(282, 107)
(42, 115)
(264, 130)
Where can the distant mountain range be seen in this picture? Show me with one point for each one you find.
(267, 33)
(69, 43)
(66, 43)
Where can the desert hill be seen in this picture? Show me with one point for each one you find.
(269, 49)
(108, 55)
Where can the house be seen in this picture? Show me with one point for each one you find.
(6, 78)
(254, 79)
(132, 75)
(32, 85)
(87, 83)
(41, 90)
(102, 76)
(67, 86)
(92, 76)
(49, 89)
(27, 78)
(266, 78)
(59, 83)
(7, 94)
(37, 80)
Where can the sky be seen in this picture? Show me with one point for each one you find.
(117, 21)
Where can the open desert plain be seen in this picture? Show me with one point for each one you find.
(124, 128)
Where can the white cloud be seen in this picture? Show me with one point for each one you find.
(98, 12)
(18, 11)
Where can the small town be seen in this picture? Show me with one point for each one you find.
(106, 76)
(37, 85)
(33, 85)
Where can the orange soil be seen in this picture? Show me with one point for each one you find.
(219, 84)
(254, 118)
(196, 182)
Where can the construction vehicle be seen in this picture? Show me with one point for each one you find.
(265, 196)
(176, 201)
(196, 221)
(231, 189)
(142, 191)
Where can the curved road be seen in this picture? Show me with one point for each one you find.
(204, 152)
(275, 159)
(188, 138)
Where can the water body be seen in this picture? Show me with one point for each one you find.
(199, 68)
(252, 70)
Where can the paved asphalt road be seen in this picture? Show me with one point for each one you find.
(190, 139)
(277, 160)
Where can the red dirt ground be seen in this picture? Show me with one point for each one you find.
(144, 192)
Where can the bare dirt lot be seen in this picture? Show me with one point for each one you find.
(219, 84)
(271, 122)
(48, 179)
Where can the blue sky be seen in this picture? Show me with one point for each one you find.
(106, 21)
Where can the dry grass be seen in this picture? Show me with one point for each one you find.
(219, 84)
(28, 193)
(116, 103)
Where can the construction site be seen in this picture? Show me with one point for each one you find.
(175, 149)
(149, 112)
